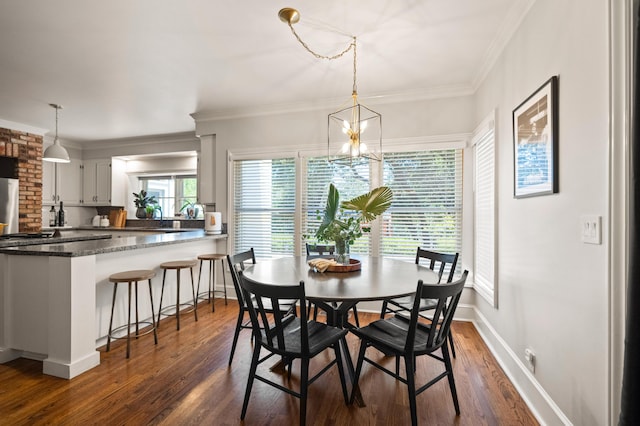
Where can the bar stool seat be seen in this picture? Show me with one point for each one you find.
(131, 277)
(178, 266)
(211, 258)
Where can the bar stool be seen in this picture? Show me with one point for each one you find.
(211, 258)
(131, 277)
(179, 265)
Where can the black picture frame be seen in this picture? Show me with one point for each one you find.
(535, 143)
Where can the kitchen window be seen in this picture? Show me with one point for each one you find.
(172, 192)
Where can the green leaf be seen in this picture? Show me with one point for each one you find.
(372, 204)
(331, 209)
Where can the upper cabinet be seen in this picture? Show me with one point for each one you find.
(84, 183)
(96, 188)
(62, 182)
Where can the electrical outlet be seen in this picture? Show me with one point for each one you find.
(590, 229)
(530, 357)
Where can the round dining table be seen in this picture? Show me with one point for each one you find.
(337, 292)
(379, 278)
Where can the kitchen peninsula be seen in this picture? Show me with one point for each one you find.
(55, 299)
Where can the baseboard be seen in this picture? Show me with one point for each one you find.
(537, 399)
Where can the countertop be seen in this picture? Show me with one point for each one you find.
(102, 241)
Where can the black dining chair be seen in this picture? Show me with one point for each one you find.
(238, 262)
(320, 250)
(410, 338)
(282, 334)
(437, 262)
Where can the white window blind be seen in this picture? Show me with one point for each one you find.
(427, 202)
(350, 180)
(484, 213)
(264, 200)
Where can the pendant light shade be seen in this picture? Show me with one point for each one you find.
(56, 152)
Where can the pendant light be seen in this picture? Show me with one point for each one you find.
(56, 153)
(346, 126)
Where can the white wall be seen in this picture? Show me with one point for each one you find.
(552, 288)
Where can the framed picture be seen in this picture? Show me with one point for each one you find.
(535, 142)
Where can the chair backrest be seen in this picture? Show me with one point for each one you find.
(447, 296)
(319, 249)
(442, 259)
(237, 263)
(272, 301)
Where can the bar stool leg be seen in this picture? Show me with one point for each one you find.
(178, 299)
(195, 300)
(212, 283)
(137, 319)
(164, 275)
(113, 304)
(224, 280)
(153, 316)
(129, 322)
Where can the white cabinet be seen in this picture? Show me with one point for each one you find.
(96, 188)
(61, 182)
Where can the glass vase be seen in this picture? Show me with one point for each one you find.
(342, 252)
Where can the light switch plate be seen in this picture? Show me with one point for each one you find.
(591, 229)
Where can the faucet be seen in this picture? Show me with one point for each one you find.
(161, 220)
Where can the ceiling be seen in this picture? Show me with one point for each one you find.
(124, 68)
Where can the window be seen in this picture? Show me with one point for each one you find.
(484, 210)
(172, 192)
(427, 202)
(264, 200)
(426, 211)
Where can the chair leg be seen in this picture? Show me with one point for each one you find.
(356, 376)
(411, 386)
(200, 278)
(304, 386)
(252, 375)
(343, 381)
(384, 309)
(453, 349)
(355, 316)
(452, 384)
(236, 334)
(397, 365)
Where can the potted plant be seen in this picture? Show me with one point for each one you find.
(343, 223)
(190, 208)
(142, 200)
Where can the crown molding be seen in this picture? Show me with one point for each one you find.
(510, 25)
(12, 125)
(171, 138)
(330, 104)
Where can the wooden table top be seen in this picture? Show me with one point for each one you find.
(379, 278)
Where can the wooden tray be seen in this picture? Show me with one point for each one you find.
(354, 265)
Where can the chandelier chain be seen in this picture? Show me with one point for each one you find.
(317, 55)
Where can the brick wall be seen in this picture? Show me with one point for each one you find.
(27, 148)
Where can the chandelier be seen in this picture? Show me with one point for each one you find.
(346, 128)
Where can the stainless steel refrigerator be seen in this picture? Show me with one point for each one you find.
(9, 199)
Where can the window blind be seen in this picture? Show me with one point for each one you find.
(484, 215)
(350, 180)
(264, 200)
(427, 202)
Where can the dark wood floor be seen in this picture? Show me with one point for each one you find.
(185, 380)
